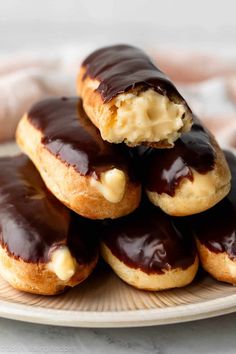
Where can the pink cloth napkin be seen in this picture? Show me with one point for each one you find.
(28, 79)
(207, 82)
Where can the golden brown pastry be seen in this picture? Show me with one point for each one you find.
(90, 176)
(188, 179)
(150, 250)
(130, 100)
(43, 250)
(215, 233)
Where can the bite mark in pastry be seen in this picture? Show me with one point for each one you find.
(130, 100)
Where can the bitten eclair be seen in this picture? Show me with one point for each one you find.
(43, 249)
(92, 177)
(150, 250)
(130, 100)
(189, 178)
(215, 233)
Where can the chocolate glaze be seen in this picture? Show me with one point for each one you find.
(83, 238)
(150, 240)
(32, 221)
(69, 135)
(216, 227)
(164, 169)
(120, 68)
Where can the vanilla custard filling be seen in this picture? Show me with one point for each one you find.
(147, 116)
(111, 185)
(62, 263)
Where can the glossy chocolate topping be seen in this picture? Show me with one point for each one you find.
(83, 238)
(69, 135)
(164, 169)
(216, 227)
(120, 68)
(32, 221)
(150, 240)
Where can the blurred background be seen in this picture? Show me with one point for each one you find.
(42, 44)
(207, 24)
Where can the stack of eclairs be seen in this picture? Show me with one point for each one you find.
(125, 170)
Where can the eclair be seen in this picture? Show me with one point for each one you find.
(92, 177)
(215, 233)
(189, 178)
(130, 100)
(150, 250)
(43, 249)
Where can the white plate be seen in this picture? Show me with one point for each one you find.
(105, 301)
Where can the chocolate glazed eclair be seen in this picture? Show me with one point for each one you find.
(130, 100)
(150, 250)
(189, 178)
(92, 177)
(43, 248)
(215, 233)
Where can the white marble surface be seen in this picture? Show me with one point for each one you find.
(212, 336)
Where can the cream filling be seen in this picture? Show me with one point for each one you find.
(62, 263)
(111, 185)
(148, 116)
